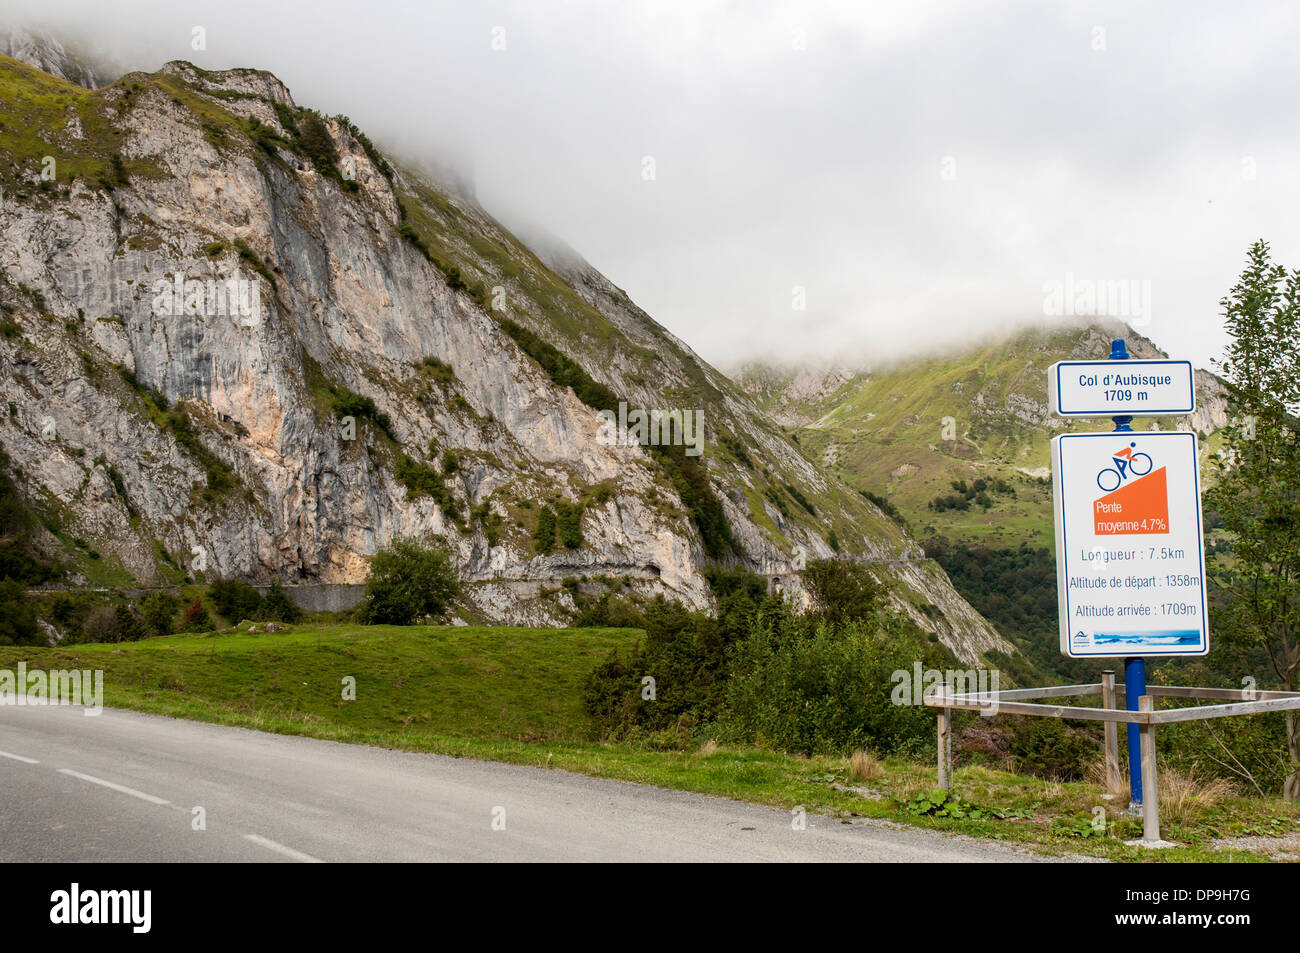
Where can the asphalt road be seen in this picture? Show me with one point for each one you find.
(123, 787)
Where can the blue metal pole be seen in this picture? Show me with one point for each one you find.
(1135, 669)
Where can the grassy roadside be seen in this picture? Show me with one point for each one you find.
(514, 695)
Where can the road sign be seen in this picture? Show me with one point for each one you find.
(1112, 388)
(1130, 560)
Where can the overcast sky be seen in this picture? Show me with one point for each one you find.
(923, 171)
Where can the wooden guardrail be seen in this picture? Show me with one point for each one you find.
(1017, 701)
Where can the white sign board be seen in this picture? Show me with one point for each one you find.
(1121, 388)
(1130, 560)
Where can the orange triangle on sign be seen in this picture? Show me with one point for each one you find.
(1140, 507)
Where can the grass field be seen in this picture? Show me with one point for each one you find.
(514, 695)
(500, 683)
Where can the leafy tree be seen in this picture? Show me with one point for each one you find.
(1257, 494)
(408, 580)
(842, 590)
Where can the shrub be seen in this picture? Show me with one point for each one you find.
(196, 618)
(69, 611)
(113, 624)
(687, 655)
(17, 616)
(315, 141)
(100, 625)
(544, 533)
(436, 368)
(885, 506)
(801, 499)
(407, 581)
(158, 610)
(568, 518)
(348, 403)
(827, 691)
(422, 480)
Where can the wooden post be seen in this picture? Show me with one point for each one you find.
(952, 765)
(945, 748)
(1111, 733)
(1151, 793)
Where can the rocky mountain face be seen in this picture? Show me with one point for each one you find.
(46, 53)
(238, 341)
(908, 431)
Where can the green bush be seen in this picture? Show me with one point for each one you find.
(196, 618)
(277, 606)
(544, 533)
(842, 590)
(120, 623)
(422, 480)
(436, 368)
(408, 581)
(687, 655)
(348, 403)
(17, 616)
(827, 691)
(235, 599)
(315, 141)
(568, 519)
(158, 611)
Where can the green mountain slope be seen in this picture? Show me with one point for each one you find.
(957, 447)
(977, 418)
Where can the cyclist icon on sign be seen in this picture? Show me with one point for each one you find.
(1127, 463)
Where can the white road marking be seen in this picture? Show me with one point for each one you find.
(281, 849)
(115, 787)
(18, 757)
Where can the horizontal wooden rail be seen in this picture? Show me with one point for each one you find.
(990, 700)
(1224, 711)
(1190, 691)
(1016, 702)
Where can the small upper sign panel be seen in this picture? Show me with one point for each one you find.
(1121, 388)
